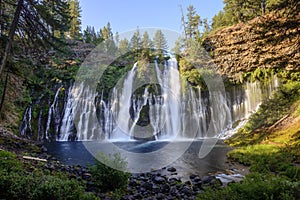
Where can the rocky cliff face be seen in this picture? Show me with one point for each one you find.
(270, 41)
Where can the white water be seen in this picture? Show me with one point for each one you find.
(26, 122)
(176, 112)
(67, 120)
(52, 112)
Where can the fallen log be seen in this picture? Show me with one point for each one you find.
(278, 122)
(33, 158)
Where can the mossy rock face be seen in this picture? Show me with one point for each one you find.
(153, 90)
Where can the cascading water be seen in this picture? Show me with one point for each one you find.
(67, 126)
(171, 110)
(53, 113)
(26, 122)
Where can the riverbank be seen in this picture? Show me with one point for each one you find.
(166, 183)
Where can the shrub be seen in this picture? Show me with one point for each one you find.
(9, 162)
(107, 178)
(50, 187)
(19, 185)
(256, 187)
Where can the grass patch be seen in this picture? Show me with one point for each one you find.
(266, 159)
(256, 187)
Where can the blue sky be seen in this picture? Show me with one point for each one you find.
(129, 14)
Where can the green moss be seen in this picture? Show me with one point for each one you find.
(261, 74)
(264, 158)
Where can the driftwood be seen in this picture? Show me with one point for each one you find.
(278, 122)
(33, 158)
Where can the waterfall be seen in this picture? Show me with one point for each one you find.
(173, 110)
(123, 104)
(53, 113)
(26, 121)
(67, 124)
(246, 100)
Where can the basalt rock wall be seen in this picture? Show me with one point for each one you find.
(270, 41)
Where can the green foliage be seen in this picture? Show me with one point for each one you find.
(51, 187)
(236, 11)
(16, 183)
(107, 178)
(109, 79)
(256, 187)
(75, 22)
(90, 36)
(136, 43)
(9, 162)
(197, 77)
(38, 186)
(219, 20)
(160, 45)
(260, 74)
(264, 158)
(288, 76)
(193, 23)
(124, 47)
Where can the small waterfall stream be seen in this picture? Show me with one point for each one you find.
(165, 110)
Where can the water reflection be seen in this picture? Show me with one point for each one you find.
(75, 153)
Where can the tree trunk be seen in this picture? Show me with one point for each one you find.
(12, 30)
(4, 92)
(1, 19)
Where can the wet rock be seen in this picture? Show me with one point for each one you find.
(160, 196)
(186, 190)
(137, 196)
(44, 149)
(147, 185)
(159, 180)
(193, 176)
(155, 188)
(165, 188)
(188, 183)
(208, 179)
(133, 182)
(197, 179)
(127, 197)
(173, 191)
(174, 180)
(171, 169)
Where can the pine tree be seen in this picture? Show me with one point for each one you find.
(178, 48)
(219, 20)
(135, 43)
(89, 35)
(30, 26)
(75, 24)
(193, 23)
(108, 41)
(124, 47)
(147, 46)
(160, 45)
